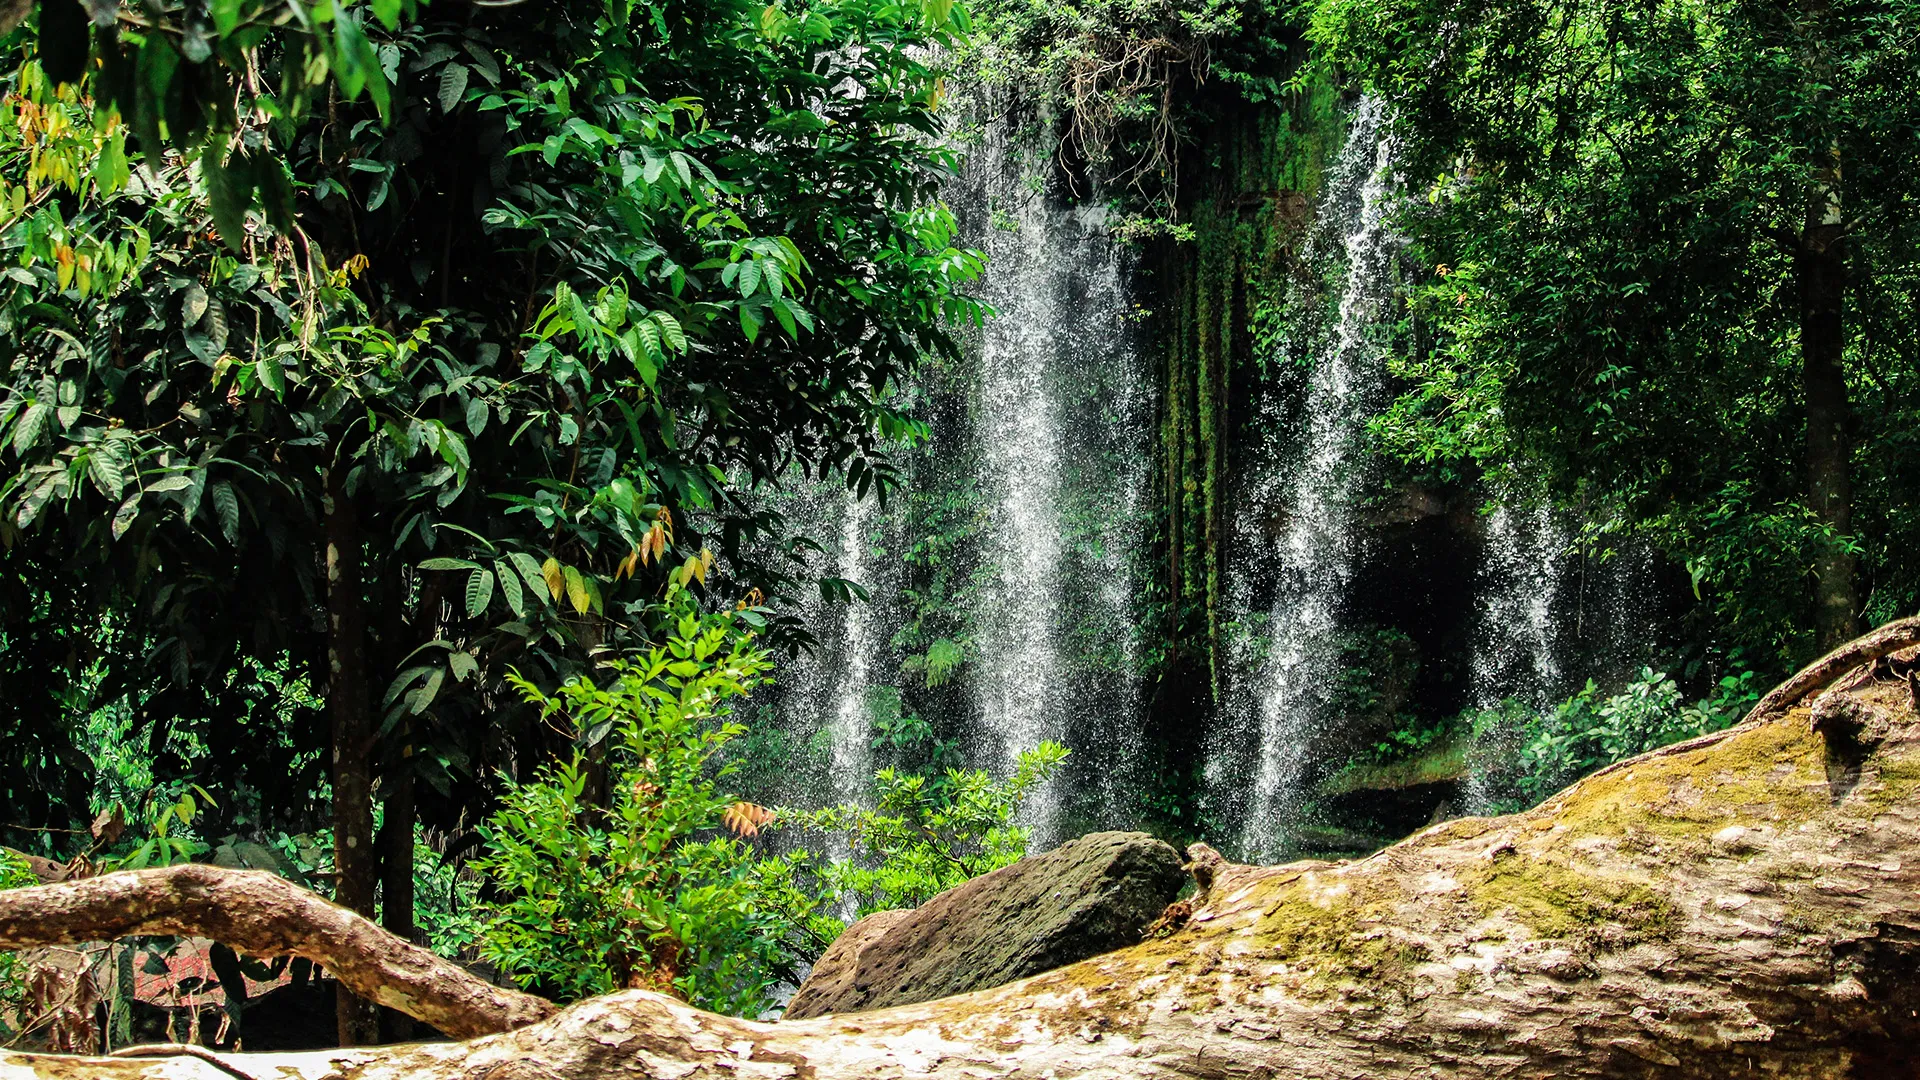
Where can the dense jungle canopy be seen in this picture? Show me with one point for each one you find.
(617, 490)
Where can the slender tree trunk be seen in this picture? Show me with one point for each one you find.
(396, 877)
(1821, 268)
(354, 859)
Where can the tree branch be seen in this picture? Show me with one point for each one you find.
(260, 914)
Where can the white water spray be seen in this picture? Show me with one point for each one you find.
(1312, 559)
(1516, 649)
(849, 724)
(1056, 281)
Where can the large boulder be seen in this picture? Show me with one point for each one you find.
(1085, 897)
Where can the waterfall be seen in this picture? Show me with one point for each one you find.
(1033, 493)
(848, 722)
(1312, 559)
(1516, 649)
(824, 694)
(1061, 464)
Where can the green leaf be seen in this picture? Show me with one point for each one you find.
(226, 505)
(272, 375)
(403, 680)
(108, 475)
(477, 415)
(670, 331)
(229, 192)
(226, 15)
(123, 517)
(429, 690)
(479, 592)
(171, 482)
(111, 172)
(462, 664)
(444, 563)
(453, 86)
(530, 572)
(510, 590)
(26, 430)
(193, 304)
(388, 12)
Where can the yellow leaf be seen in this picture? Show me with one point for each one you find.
(745, 818)
(556, 580)
(577, 593)
(649, 542)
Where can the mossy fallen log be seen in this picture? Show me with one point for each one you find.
(1743, 905)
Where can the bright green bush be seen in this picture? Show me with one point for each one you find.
(14, 874)
(1588, 731)
(643, 888)
(928, 833)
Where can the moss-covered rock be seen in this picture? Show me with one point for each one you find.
(1085, 897)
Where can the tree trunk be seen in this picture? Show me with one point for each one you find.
(1743, 905)
(1821, 268)
(354, 859)
(396, 876)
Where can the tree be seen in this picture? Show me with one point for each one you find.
(1664, 245)
(284, 388)
(1732, 905)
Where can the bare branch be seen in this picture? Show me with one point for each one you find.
(260, 914)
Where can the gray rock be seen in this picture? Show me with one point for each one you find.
(1083, 898)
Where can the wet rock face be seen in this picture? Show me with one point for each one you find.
(1083, 898)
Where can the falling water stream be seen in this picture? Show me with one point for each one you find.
(1057, 429)
(848, 722)
(1055, 279)
(1312, 560)
(1516, 653)
(1045, 448)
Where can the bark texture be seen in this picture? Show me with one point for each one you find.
(261, 914)
(355, 862)
(1822, 271)
(1747, 904)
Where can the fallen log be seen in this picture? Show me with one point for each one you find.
(260, 914)
(1744, 905)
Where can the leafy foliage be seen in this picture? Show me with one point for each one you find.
(1592, 729)
(14, 874)
(660, 253)
(926, 834)
(640, 891)
(1611, 206)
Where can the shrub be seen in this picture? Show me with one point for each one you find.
(644, 888)
(928, 833)
(1587, 731)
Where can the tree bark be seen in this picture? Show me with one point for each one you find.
(354, 859)
(1821, 268)
(1746, 904)
(396, 876)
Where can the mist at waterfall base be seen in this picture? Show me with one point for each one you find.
(1011, 577)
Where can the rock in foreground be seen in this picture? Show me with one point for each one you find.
(1083, 898)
